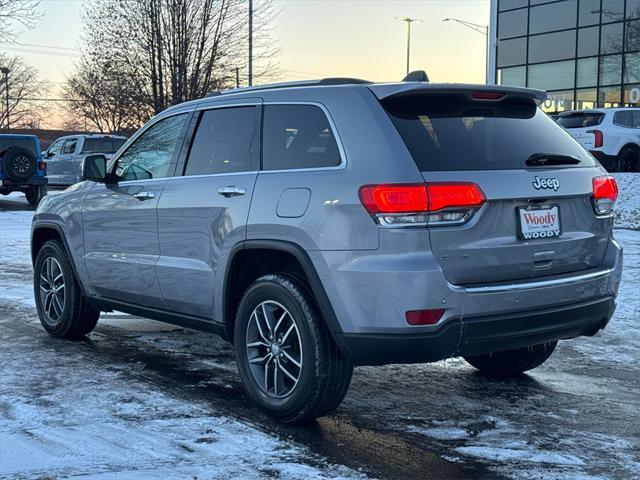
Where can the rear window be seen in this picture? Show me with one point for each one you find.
(449, 132)
(102, 145)
(28, 143)
(581, 119)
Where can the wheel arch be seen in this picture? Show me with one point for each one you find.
(41, 233)
(630, 146)
(276, 256)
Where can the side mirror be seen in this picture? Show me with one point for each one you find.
(94, 168)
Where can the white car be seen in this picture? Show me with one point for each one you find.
(612, 135)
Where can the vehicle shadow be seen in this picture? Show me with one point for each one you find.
(14, 203)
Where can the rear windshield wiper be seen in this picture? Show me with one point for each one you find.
(551, 159)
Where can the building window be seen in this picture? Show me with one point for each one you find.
(512, 24)
(586, 98)
(611, 38)
(552, 46)
(633, 8)
(511, 4)
(633, 36)
(558, 101)
(512, 52)
(632, 67)
(610, 69)
(554, 16)
(612, 11)
(589, 13)
(632, 94)
(609, 97)
(552, 76)
(587, 72)
(588, 41)
(516, 76)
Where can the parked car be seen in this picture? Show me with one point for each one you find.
(612, 135)
(22, 168)
(64, 156)
(340, 223)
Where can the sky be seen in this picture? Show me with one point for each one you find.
(316, 38)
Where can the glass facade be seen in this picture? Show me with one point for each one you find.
(584, 53)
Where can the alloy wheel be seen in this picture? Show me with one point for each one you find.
(274, 349)
(52, 290)
(21, 164)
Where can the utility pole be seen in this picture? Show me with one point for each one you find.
(237, 77)
(250, 42)
(484, 30)
(408, 21)
(6, 71)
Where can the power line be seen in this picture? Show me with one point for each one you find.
(38, 45)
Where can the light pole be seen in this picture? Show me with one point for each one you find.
(6, 71)
(484, 30)
(408, 21)
(250, 42)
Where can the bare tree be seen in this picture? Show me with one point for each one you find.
(25, 87)
(12, 12)
(170, 51)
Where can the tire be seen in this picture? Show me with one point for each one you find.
(35, 195)
(321, 381)
(513, 362)
(66, 315)
(18, 164)
(628, 160)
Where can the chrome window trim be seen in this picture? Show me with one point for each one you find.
(336, 135)
(536, 284)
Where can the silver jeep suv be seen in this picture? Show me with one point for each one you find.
(327, 224)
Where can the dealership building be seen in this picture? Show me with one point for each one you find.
(584, 53)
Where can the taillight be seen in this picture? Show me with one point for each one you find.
(598, 138)
(605, 193)
(424, 317)
(422, 204)
(487, 95)
(42, 165)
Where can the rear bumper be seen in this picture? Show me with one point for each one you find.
(481, 334)
(32, 182)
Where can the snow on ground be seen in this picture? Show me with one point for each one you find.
(628, 204)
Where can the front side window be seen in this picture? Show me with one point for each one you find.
(223, 142)
(151, 154)
(55, 148)
(70, 146)
(298, 136)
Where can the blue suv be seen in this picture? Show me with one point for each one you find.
(22, 168)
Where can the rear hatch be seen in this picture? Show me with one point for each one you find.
(582, 126)
(538, 218)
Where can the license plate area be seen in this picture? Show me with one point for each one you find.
(539, 221)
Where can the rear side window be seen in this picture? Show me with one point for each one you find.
(28, 143)
(581, 119)
(223, 142)
(450, 132)
(102, 145)
(298, 136)
(627, 118)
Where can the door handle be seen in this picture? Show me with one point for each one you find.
(144, 195)
(232, 191)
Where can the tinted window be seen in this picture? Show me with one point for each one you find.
(223, 142)
(447, 132)
(623, 119)
(581, 119)
(589, 13)
(28, 143)
(588, 41)
(516, 76)
(151, 154)
(512, 24)
(555, 16)
(512, 52)
(509, 4)
(610, 70)
(586, 98)
(552, 76)
(632, 68)
(611, 38)
(633, 8)
(553, 46)
(612, 10)
(102, 145)
(297, 136)
(587, 74)
(633, 36)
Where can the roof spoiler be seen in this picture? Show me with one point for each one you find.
(416, 76)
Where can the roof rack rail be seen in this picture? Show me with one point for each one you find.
(301, 83)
